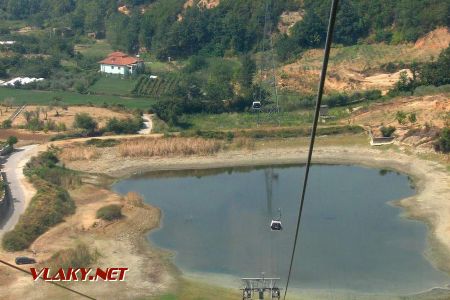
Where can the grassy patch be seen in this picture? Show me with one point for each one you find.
(102, 143)
(100, 48)
(227, 121)
(191, 290)
(113, 86)
(263, 133)
(45, 97)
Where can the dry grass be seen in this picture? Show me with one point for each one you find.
(134, 199)
(169, 147)
(79, 153)
(244, 143)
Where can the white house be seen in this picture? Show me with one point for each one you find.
(121, 64)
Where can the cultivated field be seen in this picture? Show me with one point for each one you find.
(45, 97)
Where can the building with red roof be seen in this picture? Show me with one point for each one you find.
(120, 63)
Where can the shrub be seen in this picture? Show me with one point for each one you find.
(85, 122)
(110, 212)
(412, 118)
(78, 257)
(387, 131)
(7, 124)
(47, 208)
(12, 140)
(125, 126)
(443, 143)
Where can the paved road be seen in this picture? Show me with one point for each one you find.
(13, 169)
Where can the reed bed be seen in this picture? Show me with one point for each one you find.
(80, 153)
(175, 146)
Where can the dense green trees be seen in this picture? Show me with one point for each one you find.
(437, 73)
(233, 26)
(378, 20)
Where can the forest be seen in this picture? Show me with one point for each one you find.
(234, 26)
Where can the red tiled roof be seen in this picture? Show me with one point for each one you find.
(120, 59)
(118, 53)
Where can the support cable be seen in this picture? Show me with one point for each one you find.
(51, 282)
(331, 23)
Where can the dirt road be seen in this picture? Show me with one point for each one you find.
(148, 124)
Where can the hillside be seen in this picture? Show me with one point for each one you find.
(362, 67)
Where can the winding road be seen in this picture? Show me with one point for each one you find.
(14, 173)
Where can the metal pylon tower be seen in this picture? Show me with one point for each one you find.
(261, 288)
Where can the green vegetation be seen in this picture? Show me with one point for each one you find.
(11, 141)
(443, 143)
(6, 124)
(102, 143)
(374, 20)
(274, 132)
(162, 85)
(97, 49)
(3, 186)
(387, 131)
(400, 116)
(49, 205)
(46, 97)
(425, 76)
(113, 86)
(85, 122)
(124, 126)
(110, 212)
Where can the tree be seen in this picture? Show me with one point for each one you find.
(12, 140)
(436, 73)
(85, 122)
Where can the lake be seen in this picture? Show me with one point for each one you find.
(351, 238)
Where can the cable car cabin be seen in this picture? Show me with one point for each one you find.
(256, 105)
(276, 225)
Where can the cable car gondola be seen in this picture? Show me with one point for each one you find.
(256, 105)
(275, 225)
